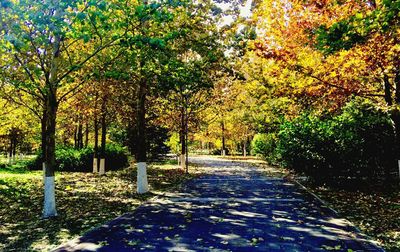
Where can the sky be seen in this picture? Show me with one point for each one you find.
(245, 11)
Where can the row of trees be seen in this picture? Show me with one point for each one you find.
(88, 72)
(310, 58)
(119, 67)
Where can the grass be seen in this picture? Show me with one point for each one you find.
(84, 201)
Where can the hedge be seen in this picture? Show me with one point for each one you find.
(358, 144)
(81, 160)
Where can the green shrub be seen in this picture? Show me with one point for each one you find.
(365, 140)
(358, 144)
(71, 159)
(304, 144)
(156, 138)
(265, 145)
(116, 157)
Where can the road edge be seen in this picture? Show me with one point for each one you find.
(328, 206)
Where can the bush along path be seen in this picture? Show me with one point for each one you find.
(233, 208)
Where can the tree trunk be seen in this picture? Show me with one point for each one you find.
(14, 148)
(76, 137)
(80, 136)
(223, 152)
(142, 184)
(395, 115)
(187, 138)
(388, 91)
(86, 135)
(10, 151)
(51, 106)
(102, 169)
(50, 159)
(182, 139)
(43, 141)
(245, 148)
(96, 143)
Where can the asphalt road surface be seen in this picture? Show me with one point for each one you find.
(232, 208)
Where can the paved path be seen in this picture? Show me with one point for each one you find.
(234, 208)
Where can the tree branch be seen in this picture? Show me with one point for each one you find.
(86, 60)
(302, 70)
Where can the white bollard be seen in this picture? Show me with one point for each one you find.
(102, 170)
(142, 184)
(95, 165)
(183, 161)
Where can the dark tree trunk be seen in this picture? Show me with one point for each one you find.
(141, 123)
(11, 148)
(395, 115)
(182, 137)
(49, 208)
(43, 136)
(80, 136)
(76, 137)
(96, 137)
(103, 131)
(388, 91)
(223, 139)
(86, 134)
(187, 138)
(51, 108)
(397, 86)
(141, 152)
(14, 146)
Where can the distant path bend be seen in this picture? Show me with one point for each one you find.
(232, 208)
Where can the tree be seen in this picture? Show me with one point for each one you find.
(375, 34)
(46, 44)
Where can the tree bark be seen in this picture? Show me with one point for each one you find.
(102, 169)
(50, 159)
(80, 135)
(11, 150)
(182, 139)
(142, 184)
(14, 148)
(86, 134)
(388, 91)
(395, 115)
(223, 152)
(76, 137)
(96, 143)
(51, 106)
(187, 138)
(43, 136)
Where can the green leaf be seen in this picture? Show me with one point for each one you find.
(86, 38)
(81, 16)
(102, 5)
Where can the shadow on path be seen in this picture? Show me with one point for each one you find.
(233, 208)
